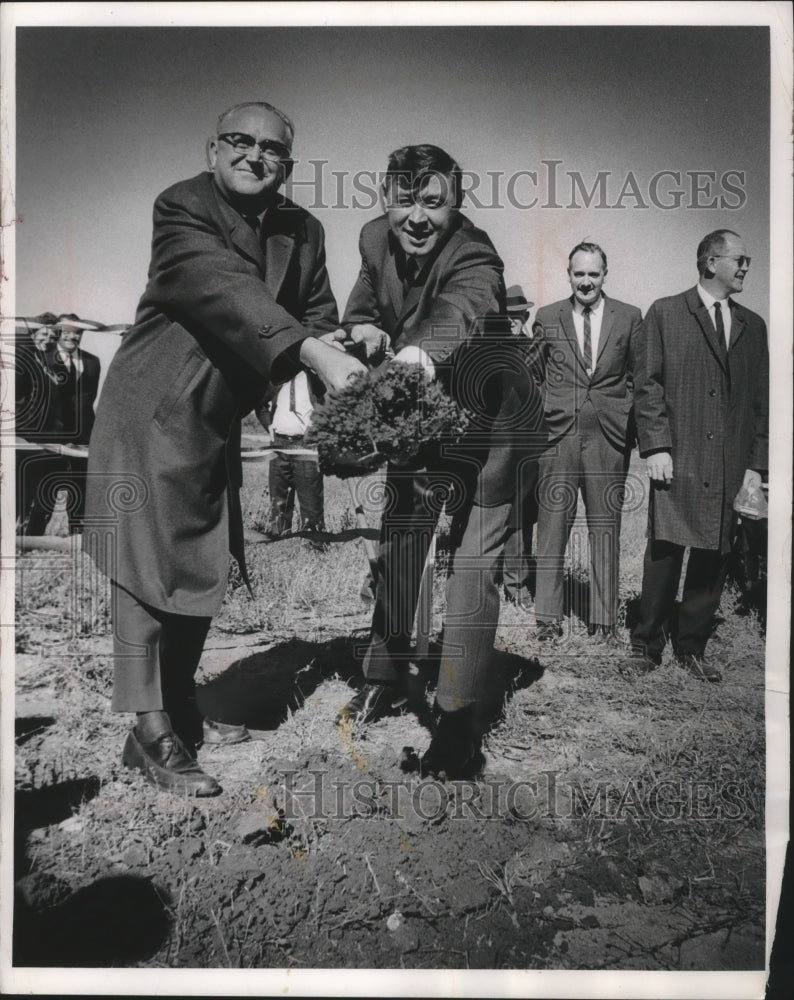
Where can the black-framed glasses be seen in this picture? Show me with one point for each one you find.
(244, 144)
(742, 261)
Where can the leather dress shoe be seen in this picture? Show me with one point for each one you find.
(454, 753)
(222, 734)
(698, 667)
(166, 764)
(372, 702)
(637, 661)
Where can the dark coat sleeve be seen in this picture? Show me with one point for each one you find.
(202, 282)
(470, 293)
(759, 451)
(650, 409)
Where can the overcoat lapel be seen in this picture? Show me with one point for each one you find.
(701, 314)
(278, 253)
(737, 323)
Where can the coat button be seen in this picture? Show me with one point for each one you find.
(709, 435)
(706, 485)
(712, 392)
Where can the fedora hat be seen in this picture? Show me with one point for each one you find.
(516, 300)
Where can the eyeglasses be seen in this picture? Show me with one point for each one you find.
(244, 144)
(742, 261)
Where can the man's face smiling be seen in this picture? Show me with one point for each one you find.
(69, 340)
(44, 338)
(249, 179)
(728, 275)
(421, 216)
(586, 273)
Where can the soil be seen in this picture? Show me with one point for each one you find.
(619, 824)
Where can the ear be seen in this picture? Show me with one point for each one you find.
(212, 152)
(288, 166)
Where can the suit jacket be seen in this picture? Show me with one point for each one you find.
(34, 384)
(558, 367)
(223, 313)
(72, 411)
(457, 316)
(706, 405)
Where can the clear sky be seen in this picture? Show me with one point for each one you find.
(107, 118)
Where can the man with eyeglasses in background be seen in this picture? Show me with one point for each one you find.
(701, 397)
(237, 298)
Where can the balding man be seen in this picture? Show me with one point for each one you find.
(238, 295)
(702, 407)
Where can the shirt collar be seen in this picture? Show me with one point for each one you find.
(595, 310)
(708, 299)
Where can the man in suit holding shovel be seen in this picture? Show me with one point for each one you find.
(237, 298)
(431, 288)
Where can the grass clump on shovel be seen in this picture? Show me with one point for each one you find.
(383, 415)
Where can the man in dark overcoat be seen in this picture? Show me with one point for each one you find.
(431, 288)
(238, 295)
(702, 409)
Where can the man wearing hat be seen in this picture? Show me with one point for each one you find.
(517, 572)
(582, 354)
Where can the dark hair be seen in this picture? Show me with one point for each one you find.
(257, 104)
(585, 247)
(709, 244)
(412, 166)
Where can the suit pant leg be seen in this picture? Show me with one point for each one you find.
(517, 573)
(409, 520)
(603, 482)
(282, 493)
(472, 606)
(661, 575)
(309, 488)
(559, 476)
(703, 584)
(40, 476)
(155, 655)
(75, 504)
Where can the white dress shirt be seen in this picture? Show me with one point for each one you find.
(71, 359)
(596, 316)
(708, 301)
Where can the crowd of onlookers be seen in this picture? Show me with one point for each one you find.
(56, 387)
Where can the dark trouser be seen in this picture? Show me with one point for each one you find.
(581, 460)
(517, 564)
(40, 476)
(477, 539)
(156, 655)
(288, 475)
(691, 622)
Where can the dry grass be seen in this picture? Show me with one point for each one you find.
(502, 893)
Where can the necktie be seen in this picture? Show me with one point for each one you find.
(719, 322)
(588, 343)
(410, 273)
